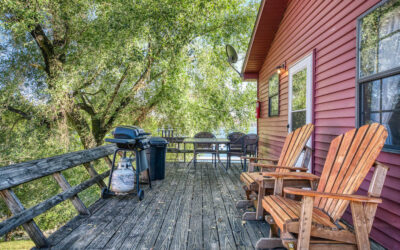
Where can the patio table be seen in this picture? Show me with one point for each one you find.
(215, 141)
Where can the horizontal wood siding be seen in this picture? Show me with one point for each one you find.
(329, 27)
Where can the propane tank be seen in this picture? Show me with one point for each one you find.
(123, 178)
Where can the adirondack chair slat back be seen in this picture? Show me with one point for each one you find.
(349, 159)
(293, 146)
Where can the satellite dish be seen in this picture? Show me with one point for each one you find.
(231, 53)
(232, 57)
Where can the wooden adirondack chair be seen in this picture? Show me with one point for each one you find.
(316, 219)
(294, 145)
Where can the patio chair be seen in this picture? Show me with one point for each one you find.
(295, 144)
(316, 219)
(250, 145)
(236, 146)
(204, 148)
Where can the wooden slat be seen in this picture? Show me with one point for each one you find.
(319, 216)
(14, 175)
(337, 164)
(334, 147)
(285, 154)
(292, 212)
(337, 167)
(350, 161)
(351, 158)
(271, 207)
(304, 135)
(292, 208)
(364, 165)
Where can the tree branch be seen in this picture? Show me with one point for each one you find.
(86, 107)
(139, 83)
(20, 112)
(28, 116)
(116, 89)
(87, 83)
(45, 46)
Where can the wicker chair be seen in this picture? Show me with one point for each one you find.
(204, 147)
(236, 146)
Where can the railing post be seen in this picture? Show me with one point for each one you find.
(78, 204)
(15, 206)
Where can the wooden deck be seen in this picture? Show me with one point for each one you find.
(188, 210)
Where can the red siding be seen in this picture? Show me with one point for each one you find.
(329, 27)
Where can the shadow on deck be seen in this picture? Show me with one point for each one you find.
(187, 210)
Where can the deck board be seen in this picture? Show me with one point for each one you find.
(192, 209)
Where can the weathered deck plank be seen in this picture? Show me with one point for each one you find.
(256, 229)
(165, 218)
(195, 237)
(192, 209)
(137, 228)
(225, 234)
(179, 240)
(210, 232)
(242, 238)
(166, 234)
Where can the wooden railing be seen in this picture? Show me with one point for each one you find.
(17, 174)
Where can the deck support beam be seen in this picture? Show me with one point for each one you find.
(93, 173)
(15, 206)
(78, 204)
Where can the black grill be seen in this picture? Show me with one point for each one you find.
(130, 138)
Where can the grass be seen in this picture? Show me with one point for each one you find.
(17, 244)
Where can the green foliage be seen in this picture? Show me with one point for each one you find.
(17, 245)
(72, 70)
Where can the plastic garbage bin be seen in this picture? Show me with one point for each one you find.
(156, 156)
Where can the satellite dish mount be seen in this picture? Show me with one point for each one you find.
(232, 57)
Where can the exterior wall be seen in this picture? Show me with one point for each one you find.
(329, 27)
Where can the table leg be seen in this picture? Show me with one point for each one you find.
(184, 152)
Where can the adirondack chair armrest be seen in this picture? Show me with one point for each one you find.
(349, 197)
(291, 175)
(252, 159)
(261, 165)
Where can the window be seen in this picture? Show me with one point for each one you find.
(273, 95)
(379, 70)
(299, 102)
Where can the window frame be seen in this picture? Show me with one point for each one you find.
(270, 97)
(373, 77)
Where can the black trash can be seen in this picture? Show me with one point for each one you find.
(156, 156)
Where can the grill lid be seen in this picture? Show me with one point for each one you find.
(129, 137)
(128, 132)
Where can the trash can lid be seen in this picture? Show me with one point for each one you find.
(158, 141)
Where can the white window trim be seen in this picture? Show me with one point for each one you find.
(306, 62)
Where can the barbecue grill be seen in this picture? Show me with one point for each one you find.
(134, 139)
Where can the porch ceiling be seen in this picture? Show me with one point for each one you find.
(267, 23)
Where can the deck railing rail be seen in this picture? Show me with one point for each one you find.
(17, 174)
